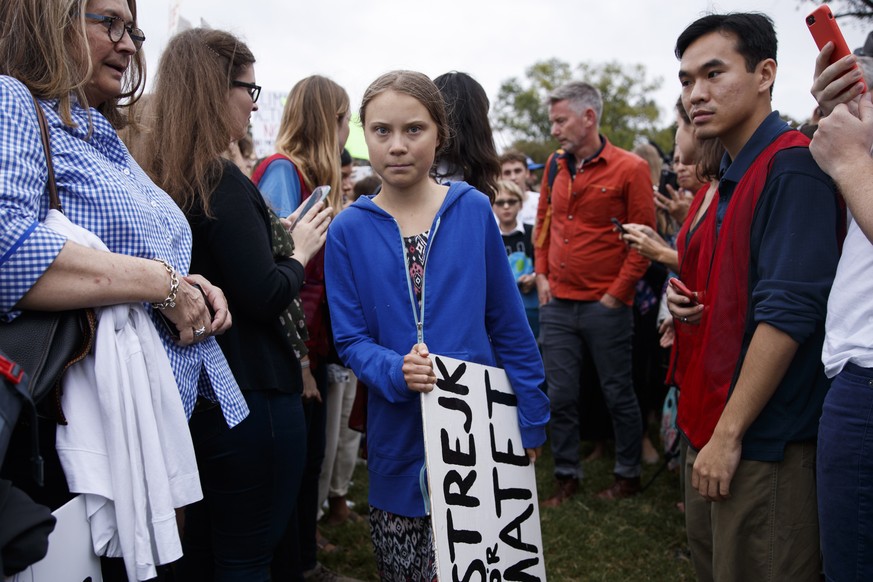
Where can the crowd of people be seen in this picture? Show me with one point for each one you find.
(246, 338)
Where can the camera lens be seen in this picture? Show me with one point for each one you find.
(810, 20)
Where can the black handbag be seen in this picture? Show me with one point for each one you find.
(46, 343)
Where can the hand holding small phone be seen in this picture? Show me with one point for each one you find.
(680, 288)
(837, 78)
(824, 28)
(618, 225)
(668, 178)
(683, 304)
(318, 195)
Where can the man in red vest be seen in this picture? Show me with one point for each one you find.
(750, 402)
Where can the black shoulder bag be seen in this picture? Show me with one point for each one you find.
(46, 343)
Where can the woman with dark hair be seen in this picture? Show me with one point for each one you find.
(470, 154)
(205, 92)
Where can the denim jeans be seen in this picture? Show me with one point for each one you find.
(565, 328)
(297, 550)
(250, 476)
(845, 476)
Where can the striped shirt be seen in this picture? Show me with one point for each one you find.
(102, 189)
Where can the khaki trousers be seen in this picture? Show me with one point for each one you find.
(766, 531)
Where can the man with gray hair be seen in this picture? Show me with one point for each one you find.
(585, 280)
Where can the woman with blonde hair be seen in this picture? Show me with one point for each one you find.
(204, 95)
(312, 134)
(313, 131)
(81, 61)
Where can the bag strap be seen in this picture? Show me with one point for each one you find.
(54, 200)
(552, 173)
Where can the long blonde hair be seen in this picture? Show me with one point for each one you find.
(308, 133)
(188, 114)
(43, 45)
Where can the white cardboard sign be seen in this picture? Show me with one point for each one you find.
(484, 507)
(70, 555)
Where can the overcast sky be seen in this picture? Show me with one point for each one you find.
(354, 41)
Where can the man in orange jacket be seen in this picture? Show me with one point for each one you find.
(585, 280)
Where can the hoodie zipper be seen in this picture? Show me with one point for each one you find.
(418, 317)
(417, 314)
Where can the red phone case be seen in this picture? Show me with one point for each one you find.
(680, 288)
(823, 27)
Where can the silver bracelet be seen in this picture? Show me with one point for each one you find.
(170, 301)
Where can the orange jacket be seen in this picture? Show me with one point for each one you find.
(580, 252)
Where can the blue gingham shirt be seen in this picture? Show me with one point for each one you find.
(104, 190)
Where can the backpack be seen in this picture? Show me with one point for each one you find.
(15, 395)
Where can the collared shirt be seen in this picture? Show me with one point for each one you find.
(582, 254)
(732, 171)
(518, 228)
(102, 189)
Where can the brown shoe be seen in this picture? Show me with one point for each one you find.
(621, 488)
(565, 488)
(340, 512)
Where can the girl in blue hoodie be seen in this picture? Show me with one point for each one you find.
(420, 266)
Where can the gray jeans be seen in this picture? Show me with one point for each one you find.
(565, 327)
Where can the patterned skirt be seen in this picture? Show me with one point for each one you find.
(403, 546)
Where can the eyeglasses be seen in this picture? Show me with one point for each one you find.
(254, 91)
(510, 202)
(115, 26)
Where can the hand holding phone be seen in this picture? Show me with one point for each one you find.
(668, 178)
(824, 28)
(318, 195)
(680, 288)
(618, 225)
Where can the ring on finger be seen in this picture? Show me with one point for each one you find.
(199, 332)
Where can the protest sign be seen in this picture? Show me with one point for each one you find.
(484, 507)
(70, 556)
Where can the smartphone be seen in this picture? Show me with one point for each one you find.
(668, 178)
(618, 225)
(318, 195)
(823, 27)
(680, 288)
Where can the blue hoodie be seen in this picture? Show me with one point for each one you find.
(471, 311)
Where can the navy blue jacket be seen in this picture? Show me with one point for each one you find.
(471, 311)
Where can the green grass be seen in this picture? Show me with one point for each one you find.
(637, 539)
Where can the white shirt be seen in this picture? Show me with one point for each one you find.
(849, 326)
(528, 212)
(126, 446)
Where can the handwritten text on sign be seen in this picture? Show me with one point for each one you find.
(483, 488)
